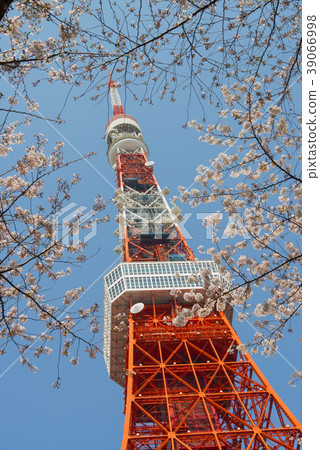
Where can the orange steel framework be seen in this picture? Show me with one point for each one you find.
(132, 171)
(187, 387)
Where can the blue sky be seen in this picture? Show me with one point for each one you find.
(86, 412)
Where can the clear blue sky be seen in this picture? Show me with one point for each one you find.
(86, 412)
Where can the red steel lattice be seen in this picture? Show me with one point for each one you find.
(132, 173)
(188, 388)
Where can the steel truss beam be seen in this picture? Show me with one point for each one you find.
(136, 182)
(189, 388)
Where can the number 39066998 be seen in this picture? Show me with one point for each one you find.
(311, 44)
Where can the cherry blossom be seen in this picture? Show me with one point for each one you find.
(239, 62)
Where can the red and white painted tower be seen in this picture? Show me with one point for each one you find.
(186, 385)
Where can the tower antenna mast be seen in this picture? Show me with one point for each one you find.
(115, 97)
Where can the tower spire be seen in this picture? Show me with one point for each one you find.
(115, 97)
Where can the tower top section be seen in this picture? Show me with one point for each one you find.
(115, 97)
(123, 133)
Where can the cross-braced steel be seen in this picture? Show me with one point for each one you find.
(189, 388)
(148, 227)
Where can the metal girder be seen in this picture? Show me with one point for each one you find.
(190, 388)
(134, 175)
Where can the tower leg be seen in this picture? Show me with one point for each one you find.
(189, 388)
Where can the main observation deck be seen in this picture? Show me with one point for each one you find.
(143, 281)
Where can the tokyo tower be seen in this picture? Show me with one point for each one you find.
(186, 385)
